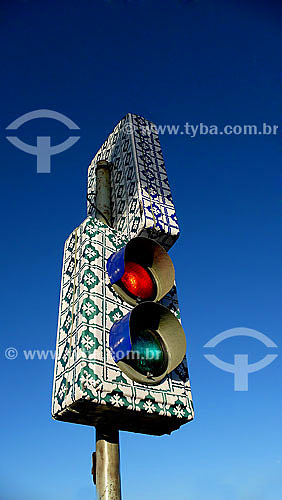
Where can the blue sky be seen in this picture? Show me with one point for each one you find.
(207, 61)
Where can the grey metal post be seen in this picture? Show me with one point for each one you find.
(107, 464)
(103, 192)
(107, 470)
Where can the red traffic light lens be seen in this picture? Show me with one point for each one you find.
(138, 281)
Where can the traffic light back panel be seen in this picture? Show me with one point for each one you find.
(141, 199)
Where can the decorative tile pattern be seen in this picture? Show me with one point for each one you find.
(141, 198)
(84, 368)
(88, 385)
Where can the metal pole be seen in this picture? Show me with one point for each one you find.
(106, 462)
(103, 192)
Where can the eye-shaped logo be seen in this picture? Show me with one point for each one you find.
(241, 368)
(43, 149)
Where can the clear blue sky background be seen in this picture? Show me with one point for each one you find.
(207, 61)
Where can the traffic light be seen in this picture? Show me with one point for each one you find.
(141, 270)
(120, 354)
(149, 342)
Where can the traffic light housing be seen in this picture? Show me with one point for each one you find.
(141, 270)
(148, 343)
(91, 386)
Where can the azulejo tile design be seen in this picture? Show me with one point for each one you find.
(84, 368)
(141, 197)
(89, 388)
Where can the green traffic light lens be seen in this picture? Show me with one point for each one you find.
(148, 355)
